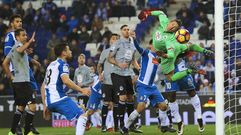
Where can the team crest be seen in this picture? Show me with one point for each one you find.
(121, 88)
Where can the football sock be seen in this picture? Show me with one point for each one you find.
(163, 118)
(175, 111)
(16, 119)
(121, 109)
(28, 121)
(104, 114)
(116, 116)
(131, 119)
(81, 124)
(197, 106)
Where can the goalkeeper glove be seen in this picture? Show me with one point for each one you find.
(144, 14)
(194, 69)
(208, 52)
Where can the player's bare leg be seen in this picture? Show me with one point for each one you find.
(198, 109)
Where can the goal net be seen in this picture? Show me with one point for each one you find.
(231, 67)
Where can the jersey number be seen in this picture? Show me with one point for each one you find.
(49, 73)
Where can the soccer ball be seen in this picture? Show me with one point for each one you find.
(182, 36)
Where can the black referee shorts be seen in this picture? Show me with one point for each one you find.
(122, 84)
(109, 94)
(23, 93)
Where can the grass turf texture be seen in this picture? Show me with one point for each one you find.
(150, 130)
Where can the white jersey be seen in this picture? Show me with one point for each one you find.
(54, 87)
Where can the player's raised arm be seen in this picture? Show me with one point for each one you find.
(161, 15)
(70, 84)
(136, 44)
(24, 47)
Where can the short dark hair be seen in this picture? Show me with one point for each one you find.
(123, 26)
(59, 48)
(114, 34)
(18, 31)
(178, 21)
(150, 42)
(11, 19)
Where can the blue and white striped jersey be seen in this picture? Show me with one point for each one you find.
(97, 85)
(54, 86)
(9, 42)
(149, 65)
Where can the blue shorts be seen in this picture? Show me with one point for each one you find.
(94, 100)
(66, 107)
(183, 84)
(145, 92)
(33, 81)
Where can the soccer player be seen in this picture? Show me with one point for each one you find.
(185, 84)
(121, 56)
(146, 89)
(53, 90)
(109, 94)
(164, 41)
(15, 23)
(23, 92)
(82, 75)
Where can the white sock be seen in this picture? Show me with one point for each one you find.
(163, 117)
(131, 118)
(110, 120)
(175, 111)
(197, 106)
(97, 118)
(81, 124)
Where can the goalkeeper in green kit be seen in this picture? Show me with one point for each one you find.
(168, 47)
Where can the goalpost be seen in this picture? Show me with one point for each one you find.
(219, 72)
(228, 66)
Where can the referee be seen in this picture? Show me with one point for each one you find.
(122, 56)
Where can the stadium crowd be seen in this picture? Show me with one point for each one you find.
(55, 24)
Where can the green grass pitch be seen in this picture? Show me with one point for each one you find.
(150, 130)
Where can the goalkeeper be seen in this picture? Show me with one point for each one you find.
(168, 47)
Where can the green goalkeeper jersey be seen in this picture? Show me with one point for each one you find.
(166, 42)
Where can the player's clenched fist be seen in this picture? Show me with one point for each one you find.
(144, 14)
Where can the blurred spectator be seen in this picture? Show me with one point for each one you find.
(206, 88)
(209, 7)
(84, 35)
(129, 10)
(3, 29)
(184, 9)
(72, 23)
(86, 21)
(203, 32)
(6, 11)
(212, 32)
(74, 46)
(19, 9)
(77, 5)
(234, 82)
(203, 18)
(50, 5)
(63, 26)
(104, 44)
(73, 35)
(102, 12)
(209, 68)
(239, 23)
(50, 45)
(95, 35)
(140, 4)
(197, 6)
(97, 23)
(107, 33)
(186, 21)
(29, 14)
